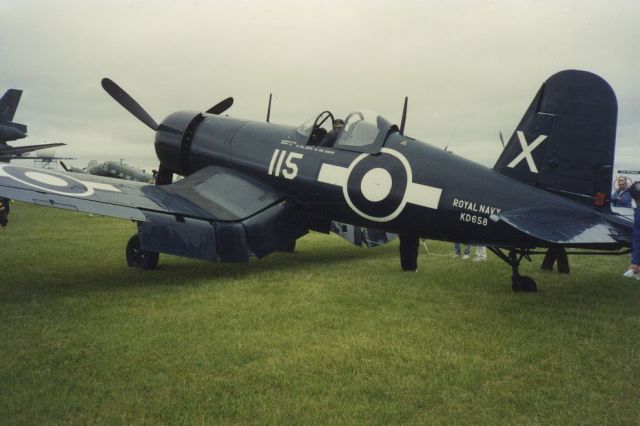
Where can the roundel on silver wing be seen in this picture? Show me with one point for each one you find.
(47, 180)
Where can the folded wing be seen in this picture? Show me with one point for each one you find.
(213, 214)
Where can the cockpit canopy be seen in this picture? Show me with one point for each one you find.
(363, 131)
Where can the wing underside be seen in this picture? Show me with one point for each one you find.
(214, 214)
(361, 236)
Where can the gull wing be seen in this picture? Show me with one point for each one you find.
(213, 214)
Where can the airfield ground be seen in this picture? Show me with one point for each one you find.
(329, 334)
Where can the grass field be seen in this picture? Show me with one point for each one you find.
(329, 334)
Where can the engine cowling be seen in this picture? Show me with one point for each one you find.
(173, 140)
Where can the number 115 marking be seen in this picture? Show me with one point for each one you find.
(290, 169)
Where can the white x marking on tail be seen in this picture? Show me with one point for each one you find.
(526, 151)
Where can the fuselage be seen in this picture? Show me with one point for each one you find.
(406, 187)
(12, 132)
(118, 170)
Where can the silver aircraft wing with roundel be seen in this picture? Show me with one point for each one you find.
(213, 214)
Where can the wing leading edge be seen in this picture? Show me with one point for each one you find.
(213, 214)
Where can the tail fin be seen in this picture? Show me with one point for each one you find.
(565, 142)
(9, 104)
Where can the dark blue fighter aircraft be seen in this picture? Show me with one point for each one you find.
(252, 188)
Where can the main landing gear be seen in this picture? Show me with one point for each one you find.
(409, 245)
(515, 256)
(138, 258)
(289, 247)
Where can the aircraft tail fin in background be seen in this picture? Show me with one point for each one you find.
(9, 104)
(565, 142)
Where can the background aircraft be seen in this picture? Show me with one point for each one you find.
(114, 169)
(252, 188)
(10, 131)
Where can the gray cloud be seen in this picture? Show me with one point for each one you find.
(470, 68)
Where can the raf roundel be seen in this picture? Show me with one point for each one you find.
(378, 187)
(46, 180)
(371, 191)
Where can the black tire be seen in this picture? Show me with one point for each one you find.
(138, 258)
(523, 283)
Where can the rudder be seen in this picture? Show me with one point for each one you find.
(9, 104)
(565, 143)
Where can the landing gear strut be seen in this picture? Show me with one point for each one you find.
(409, 245)
(289, 247)
(138, 258)
(515, 256)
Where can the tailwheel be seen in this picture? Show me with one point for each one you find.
(138, 258)
(523, 283)
(519, 283)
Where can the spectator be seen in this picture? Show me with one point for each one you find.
(621, 197)
(556, 254)
(4, 212)
(457, 247)
(635, 240)
(481, 254)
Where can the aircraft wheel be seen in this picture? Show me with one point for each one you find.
(523, 283)
(138, 258)
(289, 247)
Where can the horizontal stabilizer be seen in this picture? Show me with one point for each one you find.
(7, 151)
(565, 226)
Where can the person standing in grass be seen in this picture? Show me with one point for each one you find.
(481, 254)
(635, 240)
(556, 254)
(458, 251)
(4, 212)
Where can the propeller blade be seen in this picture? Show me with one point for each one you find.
(501, 139)
(64, 166)
(128, 103)
(220, 107)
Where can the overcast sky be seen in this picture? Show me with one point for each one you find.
(470, 68)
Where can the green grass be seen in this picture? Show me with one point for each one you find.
(329, 334)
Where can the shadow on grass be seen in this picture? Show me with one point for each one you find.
(88, 275)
